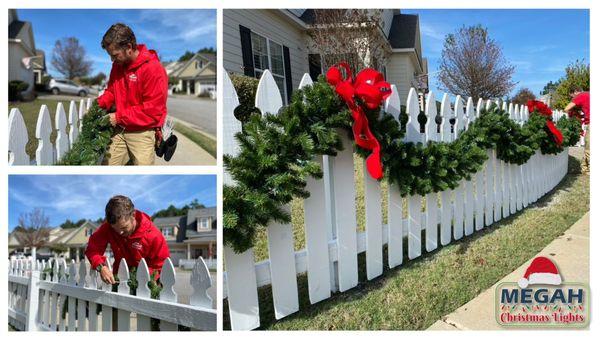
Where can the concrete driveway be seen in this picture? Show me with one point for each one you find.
(201, 113)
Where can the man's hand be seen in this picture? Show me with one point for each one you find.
(113, 119)
(107, 276)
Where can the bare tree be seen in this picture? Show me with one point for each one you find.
(33, 230)
(69, 58)
(522, 96)
(473, 65)
(351, 35)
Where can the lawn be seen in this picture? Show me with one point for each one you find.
(203, 141)
(418, 293)
(30, 111)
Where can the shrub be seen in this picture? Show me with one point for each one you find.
(245, 86)
(577, 76)
(15, 88)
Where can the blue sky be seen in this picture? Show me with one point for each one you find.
(539, 43)
(85, 196)
(168, 31)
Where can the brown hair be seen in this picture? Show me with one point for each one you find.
(119, 34)
(118, 207)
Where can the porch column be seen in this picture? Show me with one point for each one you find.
(77, 255)
(210, 250)
(188, 86)
(189, 254)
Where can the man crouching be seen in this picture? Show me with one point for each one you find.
(131, 235)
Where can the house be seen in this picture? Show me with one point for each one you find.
(69, 243)
(39, 67)
(196, 76)
(21, 52)
(191, 236)
(279, 40)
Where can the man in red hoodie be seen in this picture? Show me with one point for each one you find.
(137, 89)
(131, 235)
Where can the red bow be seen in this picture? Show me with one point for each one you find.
(542, 108)
(370, 87)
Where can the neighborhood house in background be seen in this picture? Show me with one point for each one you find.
(196, 76)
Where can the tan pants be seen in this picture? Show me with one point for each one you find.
(136, 145)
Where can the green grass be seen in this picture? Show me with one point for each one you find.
(419, 292)
(30, 111)
(205, 142)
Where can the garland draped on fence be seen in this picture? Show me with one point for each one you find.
(277, 151)
(91, 144)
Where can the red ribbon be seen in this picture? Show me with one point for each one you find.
(542, 108)
(371, 88)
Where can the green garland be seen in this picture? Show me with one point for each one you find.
(93, 140)
(276, 153)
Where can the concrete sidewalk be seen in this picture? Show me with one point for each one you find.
(570, 252)
(187, 153)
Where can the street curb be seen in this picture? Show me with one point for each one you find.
(193, 126)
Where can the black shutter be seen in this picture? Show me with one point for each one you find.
(246, 40)
(314, 66)
(288, 72)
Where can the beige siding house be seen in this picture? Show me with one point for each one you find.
(21, 52)
(197, 76)
(277, 39)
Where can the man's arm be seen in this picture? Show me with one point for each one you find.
(154, 102)
(107, 99)
(160, 251)
(96, 247)
(570, 106)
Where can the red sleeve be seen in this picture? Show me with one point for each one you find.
(154, 101)
(97, 246)
(579, 99)
(161, 253)
(107, 99)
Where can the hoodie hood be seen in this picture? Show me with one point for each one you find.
(144, 56)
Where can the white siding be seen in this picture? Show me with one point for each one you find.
(400, 71)
(16, 69)
(271, 24)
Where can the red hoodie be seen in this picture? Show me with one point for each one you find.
(145, 242)
(139, 91)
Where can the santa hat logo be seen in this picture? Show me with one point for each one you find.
(541, 271)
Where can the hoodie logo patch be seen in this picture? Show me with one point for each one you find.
(136, 245)
(132, 77)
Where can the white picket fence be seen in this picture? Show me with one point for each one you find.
(332, 241)
(68, 298)
(46, 152)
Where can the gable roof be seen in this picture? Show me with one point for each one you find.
(403, 33)
(15, 27)
(210, 62)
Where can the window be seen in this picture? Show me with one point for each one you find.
(167, 231)
(198, 64)
(267, 54)
(88, 232)
(203, 223)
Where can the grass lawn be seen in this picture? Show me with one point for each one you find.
(205, 142)
(30, 111)
(419, 292)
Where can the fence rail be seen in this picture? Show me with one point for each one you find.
(46, 152)
(54, 296)
(332, 241)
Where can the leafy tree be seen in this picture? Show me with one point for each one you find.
(473, 65)
(549, 88)
(33, 230)
(172, 210)
(70, 59)
(576, 78)
(522, 96)
(208, 50)
(186, 56)
(93, 80)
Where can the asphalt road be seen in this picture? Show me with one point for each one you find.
(202, 113)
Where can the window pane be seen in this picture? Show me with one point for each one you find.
(281, 84)
(276, 58)
(259, 51)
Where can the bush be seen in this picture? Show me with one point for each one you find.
(15, 88)
(245, 87)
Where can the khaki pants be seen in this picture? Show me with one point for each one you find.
(136, 145)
